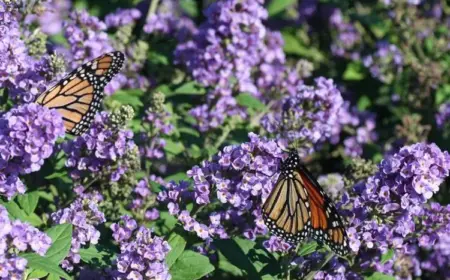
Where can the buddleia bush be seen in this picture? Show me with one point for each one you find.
(169, 180)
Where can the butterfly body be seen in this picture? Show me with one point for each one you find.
(298, 208)
(78, 96)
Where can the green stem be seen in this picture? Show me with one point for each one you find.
(84, 191)
(90, 184)
(255, 121)
(4, 93)
(225, 132)
(152, 9)
(419, 51)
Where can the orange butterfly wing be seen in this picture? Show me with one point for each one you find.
(297, 208)
(326, 223)
(78, 96)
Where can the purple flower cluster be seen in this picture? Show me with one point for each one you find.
(396, 195)
(13, 54)
(410, 2)
(236, 181)
(347, 41)
(86, 36)
(84, 215)
(414, 174)
(213, 64)
(99, 148)
(122, 17)
(361, 125)
(385, 62)
(309, 116)
(208, 118)
(168, 20)
(27, 136)
(232, 52)
(123, 22)
(143, 199)
(443, 115)
(51, 19)
(388, 213)
(271, 72)
(17, 68)
(276, 244)
(15, 237)
(159, 121)
(434, 239)
(142, 253)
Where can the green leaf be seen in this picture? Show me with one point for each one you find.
(176, 177)
(16, 213)
(33, 219)
(241, 257)
(211, 150)
(28, 201)
(190, 7)
(60, 163)
(354, 72)
(233, 257)
(129, 97)
(97, 256)
(158, 58)
(55, 175)
(308, 248)
(130, 92)
(191, 266)
(443, 94)
(379, 276)
(189, 88)
(293, 46)
(195, 151)
(429, 45)
(177, 245)
(364, 102)
(59, 39)
(61, 236)
(37, 273)
(47, 196)
(277, 6)
(227, 266)
(189, 131)
(140, 175)
(155, 187)
(165, 223)
(40, 263)
(387, 256)
(53, 277)
(249, 101)
(173, 147)
(14, 210)
(164, 89)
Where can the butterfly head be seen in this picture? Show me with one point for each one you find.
(291, 163)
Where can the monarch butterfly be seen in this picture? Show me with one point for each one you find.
(77, 97)
(298, 208)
